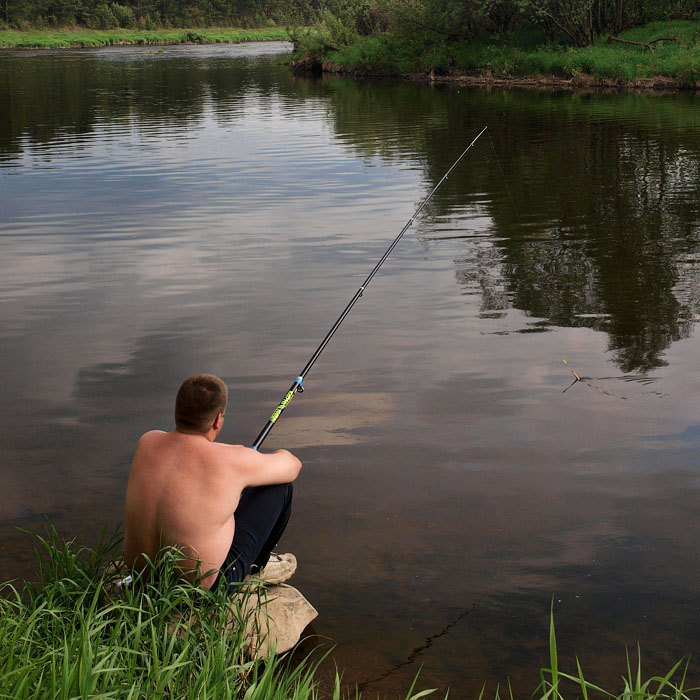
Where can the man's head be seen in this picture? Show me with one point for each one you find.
(200, 400)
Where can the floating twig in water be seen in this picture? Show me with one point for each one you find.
(587, 381)
(569, 387)
(578, 379)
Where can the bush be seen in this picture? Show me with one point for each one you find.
(191, 37)
(312, 43)
(102, 17)
(124, 16)
(146, 22)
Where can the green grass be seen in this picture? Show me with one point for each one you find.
(67, 636)
(81, 38)
(387, 54)
(557, 685)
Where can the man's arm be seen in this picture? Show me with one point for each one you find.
(260, 469)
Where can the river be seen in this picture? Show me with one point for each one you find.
(165, 211)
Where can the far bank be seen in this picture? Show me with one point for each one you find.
(660, 55)
(92, 38)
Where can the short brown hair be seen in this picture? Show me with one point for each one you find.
(199, 401)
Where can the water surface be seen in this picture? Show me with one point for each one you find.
(171, 211)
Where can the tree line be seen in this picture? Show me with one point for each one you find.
(577, 22)
(153, 14)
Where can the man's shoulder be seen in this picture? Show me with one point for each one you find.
(237, 458)
(151, 435)
(230, 450)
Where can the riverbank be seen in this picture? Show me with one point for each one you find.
(90, 38)
(73, 633)
(661, 55)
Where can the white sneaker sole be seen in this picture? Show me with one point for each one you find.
(280, 571)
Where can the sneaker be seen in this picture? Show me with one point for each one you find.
(279, 568)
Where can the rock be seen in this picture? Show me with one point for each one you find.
(274, 618)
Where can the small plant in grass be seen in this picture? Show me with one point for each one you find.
(557, 685)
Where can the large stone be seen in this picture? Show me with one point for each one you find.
(274, 618)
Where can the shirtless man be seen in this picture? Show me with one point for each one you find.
(185, 489)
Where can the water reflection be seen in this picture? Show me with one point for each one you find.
(592, 223)
(201, 209)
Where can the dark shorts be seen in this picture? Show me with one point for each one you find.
(262, 514)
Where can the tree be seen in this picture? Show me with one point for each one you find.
(455, 19)
(573, 18)
(582, 21)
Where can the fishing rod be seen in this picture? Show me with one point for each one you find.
(298, 385)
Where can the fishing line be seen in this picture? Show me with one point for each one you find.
(298, 384)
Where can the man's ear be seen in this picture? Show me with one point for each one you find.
(218, 421)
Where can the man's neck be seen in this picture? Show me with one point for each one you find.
(210, 435)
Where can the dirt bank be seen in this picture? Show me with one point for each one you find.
(488, 79)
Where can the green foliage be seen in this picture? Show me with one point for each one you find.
(64, 38)
(154, 14)
(71, 635)
(124, 16)
(339, 24)
(191, 37)
(361, 17)
(573, 19)
(393, 54)
(102, 17)
(653, 10)
(574, 22)
(580, 22)
(334, 32)
(674, 60)
(454, 21)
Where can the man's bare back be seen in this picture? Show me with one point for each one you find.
(183, 490)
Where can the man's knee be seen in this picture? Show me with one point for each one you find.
(282, 497)
(283, 493)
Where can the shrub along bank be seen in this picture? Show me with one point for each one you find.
(661, 53)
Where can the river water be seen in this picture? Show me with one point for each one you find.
(186, 209)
